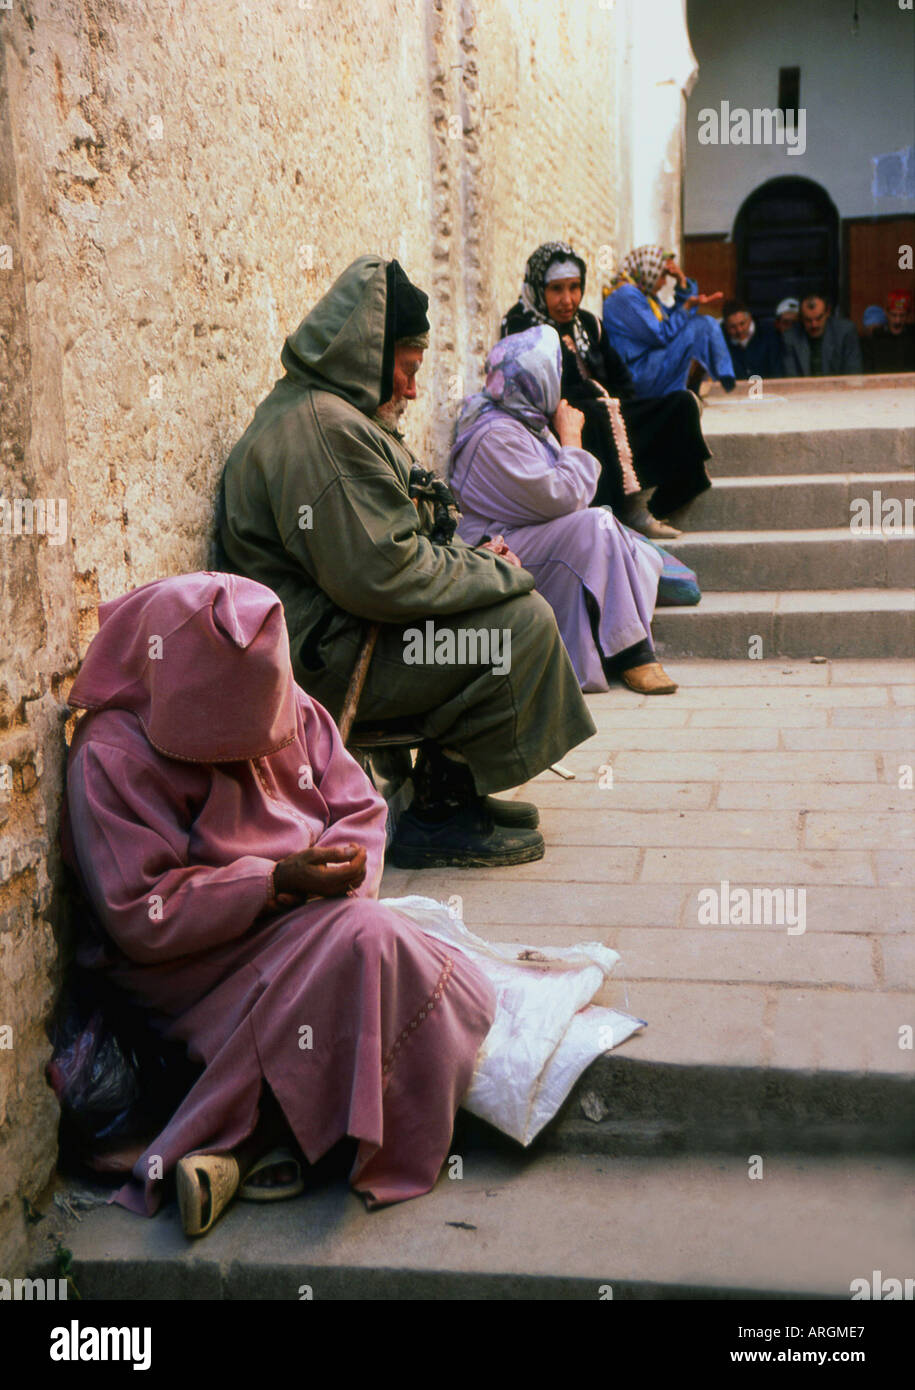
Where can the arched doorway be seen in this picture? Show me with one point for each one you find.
(787, 238)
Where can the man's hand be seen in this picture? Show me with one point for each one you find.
(498, 547)
(322, 873)
(702, 299)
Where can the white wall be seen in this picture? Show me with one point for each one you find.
(857, 92)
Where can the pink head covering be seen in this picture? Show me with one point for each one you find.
(202, 660)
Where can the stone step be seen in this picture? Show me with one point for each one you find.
(844, 623)
(650, 1107)
(794, 502)
(876, 450)
(522, 1225)
(815, 559)
(862, 425)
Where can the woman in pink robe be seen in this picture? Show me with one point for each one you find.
(200, 772)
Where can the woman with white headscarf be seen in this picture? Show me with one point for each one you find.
(664, 348)
(651, 449)
(518, 468)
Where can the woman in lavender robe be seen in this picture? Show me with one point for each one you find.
(232, 850)
(512, 475)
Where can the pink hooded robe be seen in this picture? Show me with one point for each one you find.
(199, 765)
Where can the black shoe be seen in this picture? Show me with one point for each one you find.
(469, 839)
(514, 815)
(442, 783)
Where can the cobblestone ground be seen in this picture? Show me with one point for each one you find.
(775, 775)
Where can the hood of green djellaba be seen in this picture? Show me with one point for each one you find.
(340, 345)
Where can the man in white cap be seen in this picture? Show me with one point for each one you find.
(786, 313)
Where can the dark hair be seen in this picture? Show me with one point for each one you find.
(733, 306)
(814, 292)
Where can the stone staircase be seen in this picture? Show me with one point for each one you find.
(773, 544)
(755, 1141)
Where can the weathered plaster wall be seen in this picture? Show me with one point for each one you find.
(179, 184)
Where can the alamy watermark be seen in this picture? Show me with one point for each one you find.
(885, 1290)
(33, 1290)
(882, 516)
(464, 646)
(726, 906)
(762, 126)
(34, 516)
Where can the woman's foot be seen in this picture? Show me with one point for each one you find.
(635, 514)
(275, 1176)
(650, 679)
(654, 529)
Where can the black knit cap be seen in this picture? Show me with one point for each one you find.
(405, 317)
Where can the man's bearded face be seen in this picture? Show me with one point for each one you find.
(407, 362)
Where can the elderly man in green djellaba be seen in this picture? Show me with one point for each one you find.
(323, 502)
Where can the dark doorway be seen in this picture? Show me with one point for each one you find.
(787, 238)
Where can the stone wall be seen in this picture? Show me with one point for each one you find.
(179, 184)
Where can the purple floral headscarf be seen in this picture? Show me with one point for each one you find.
(523, 374)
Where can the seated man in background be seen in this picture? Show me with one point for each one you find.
(822, 343)
(891, 346)
(754, 351)
(787, 312)
(873, 317)
(318, 503)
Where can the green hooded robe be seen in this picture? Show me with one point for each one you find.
(315, 504)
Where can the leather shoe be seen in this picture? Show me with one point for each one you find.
(469, 839)
(514, 815)
(650, 679)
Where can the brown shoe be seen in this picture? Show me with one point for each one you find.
(650, 679)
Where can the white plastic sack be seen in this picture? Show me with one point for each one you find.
(545, 1032)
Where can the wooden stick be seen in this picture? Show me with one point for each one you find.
(357, 680)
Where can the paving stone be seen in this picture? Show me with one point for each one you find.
(841, 1030)
(868, 798)
(891, 718)
(643, 710)
(874, 911)
(586, 793)
(879, 739)
(690, 1022)
(864, 673)
(899, 961)
(744, 955)
(591, 907)
(761, 830)
(772, 868)
(809, 717)
(831, 830)
(894, 868)
(789, 697)
(775, 672)
(747, 767)
(717, 738)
